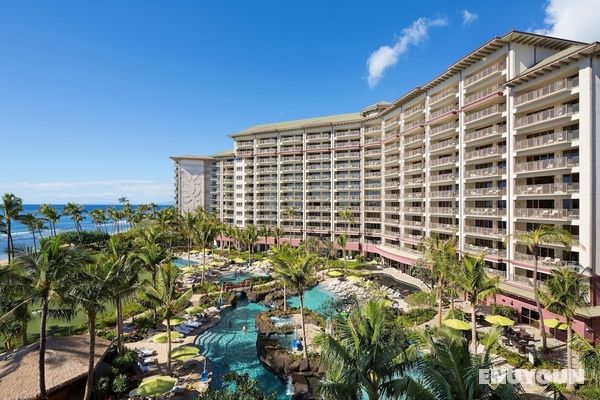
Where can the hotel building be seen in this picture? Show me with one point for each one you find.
(503, 141)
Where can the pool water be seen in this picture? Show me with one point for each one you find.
(315, 299)
(238, 277)
(282, 321)
(182, 263)
(230, 349)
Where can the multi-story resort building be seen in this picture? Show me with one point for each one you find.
(503, 141)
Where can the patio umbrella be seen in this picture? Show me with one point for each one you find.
(155, 386)
(499, 320)
(185, 353)
(174, 321)
(162, 337)
(457, 324)
(239, 260)
(556, 324)
(194, 310)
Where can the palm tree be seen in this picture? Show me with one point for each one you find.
(48, 272)
(125, 281)
(440, 256)
(265, 231)
(366, 356)
(113, 215)
(565, 292)
(14, 292)
(342, 241)
(164, 294)
(32, 224)
(477, 286)
(589, 357)
(277, 233)
(11, 207)
(75, 211)
(545, 234)
(90, 289)
(249, 237)
(346, 215)
(206, 232)
(290, 213)
(281, 259)
(188, 223)
(298, 274)
(98, 216)
(151, 254)
(51, 215)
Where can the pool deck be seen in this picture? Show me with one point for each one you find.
(402, 277)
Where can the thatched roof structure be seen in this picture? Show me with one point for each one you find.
(66, 362)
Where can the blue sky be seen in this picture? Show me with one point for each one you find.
(95, 96)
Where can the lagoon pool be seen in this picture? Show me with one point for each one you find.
(182, 262)
(316, 299)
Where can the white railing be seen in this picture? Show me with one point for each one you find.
(489, 171)
(444, 227)
(443, 193)
(442, 177)
(482, 93)
(492, 212)
(412, 139)
(486, 112)
(546, 213)
(485, 72)
(442, 95)
(546, 115)
(548, 188)
(443, 128)
(551, 138)
(550, 163)
(442, 111)
(442, 161)
(484, 230)
(443, 144)
(486, 152)
(491, 191)
(443, 210)
(488, 131)
(566, 83)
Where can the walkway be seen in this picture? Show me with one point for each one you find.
(402, 277)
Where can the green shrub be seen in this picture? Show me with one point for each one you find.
(124, 362)
(589, 392)
(121, 384)
(505, 311)
(416, 316)
(91, 239)
(421, 299)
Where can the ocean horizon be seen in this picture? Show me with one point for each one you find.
(22, 238)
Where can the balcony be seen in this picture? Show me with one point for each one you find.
(443, 210)
(288, 168)
(485, 172)
(443, 227)
(350, 143)
(473, 248)
(494, 89)
(548, 164)
(484, 73)
(411, 112)
(373, 163)
(546, 261)
(391, 122)
(373, 152)
(347, 165)
(547, 213)
(443, 111)
(369, 129)
(435, 162)
(444, 94)
(413, 124)
(414, 167)
(345, 155)
(550, 114)
(317, 146)
(490, 131)
(294, 138)
(413, 181)
(443, 194)
(485, 211)
(485, 152)
(318, 208)
(348, 133)
(347, 176)
(372, 140)
(373, 185)
(547, 140)
(289, 159)
(318, 157)
(414, 210)
(392, 159)
(495, 110)
(547, 90)
(447, 127)
(412, 195)
(413, 139)
(491, 191)
(289, 149)
(318, 167)
(245, 143)
(548, 188)
(445, 144)
(414, 223)
(443, 177)
(346, 197)
(477, 230)
(317, 136)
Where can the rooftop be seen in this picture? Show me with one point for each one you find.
(66, 362)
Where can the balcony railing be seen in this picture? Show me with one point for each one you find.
(348, 133)
(352, 143)
(486, 112)
(543, 140)
(370, 129)
(414, 110)
(443, 177)
(500, 253)
(371, 152)
(294, 138)
(563, 110)
(443, 95)
(482, 93)
(412, 195)
(412, 153)
(317, 136)
(443, 210)
(313, 146)
(548, 188)
(318, 157)
(418, 210)
(486, 152)
(486, 211)
(550, 163)
(485, 231)
(547, 213)
(489, 171)
(547, 261)
(442, 161)
(443, 128)
(372, 140)
(414, 167)
(485, 132)
(566, 83)
(443, 144)
(413, 124)
(297, 148)
(443, 193)
(443, 227)
(412, 139)
(267, 141)
(485, 73)
(491, 191)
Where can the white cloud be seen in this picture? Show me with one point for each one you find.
(96, 191)
(384, 57)
(468, 17)
(572, 19)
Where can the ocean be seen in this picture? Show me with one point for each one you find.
(22, 237)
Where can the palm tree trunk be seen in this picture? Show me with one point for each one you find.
(42, 352)
(304, 340)
(168, 346)
(570, 383)
(89, 384)
(538, 305)
(189, 248)
(284, 298)
(24, 331)
(203, 262)
(119, 326)
(34, 240)
(474, 328)
(9, 241)
(440, 304)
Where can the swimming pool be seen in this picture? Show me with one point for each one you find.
(239, 277)
(231, 349)
(316, 299)
(182, 263)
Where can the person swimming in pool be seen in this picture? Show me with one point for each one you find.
(244, 329)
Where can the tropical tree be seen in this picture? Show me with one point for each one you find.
(11, 208)
(589, 357)
(48, 273)
(563, 293)
(277, 233)
(474, 281)
(164, 294)
(75, 212)
(249, 237)
(98, 216)
(297, 274)
(150, 253)
(281, 259)
(265, 231)
(342, 242)
(89, 290)
(366, 356)
(51, 215)
(290, 213)
(188, 223)
(13, 299)
(33, 224)
(113, 215)
(440, 256)
(534, 239)
(347, 215)
(206, 232)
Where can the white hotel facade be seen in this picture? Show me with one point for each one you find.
(505, 140)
